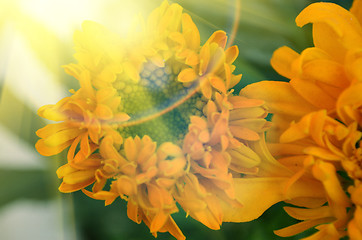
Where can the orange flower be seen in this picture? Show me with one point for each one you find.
(213, 68)
(319, 146)
(205, 146)
(316, 122)
(146, 178)
(87, 114)
(318, 75)
(220, 147)
(158, 70)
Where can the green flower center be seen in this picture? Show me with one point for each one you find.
(158, 91)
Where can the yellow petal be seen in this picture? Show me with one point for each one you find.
(248, 194)
(322, 153)
(130, 149)
(158, 221)
(68, 188)
(243, 157)
(171, 20)
(187, 75)
(158, 61)
(206, 88)
(356, 10)
(79, 177)
(313, 94)
(326, 71)
(62, 137)
(108, 151)
(301, 227)
(218, 37)
(132, 212)
(53, 112)
(155, 196)
(204, 59)
(282, 60)
(217, 83)
(354, 231)
(103, 112)
(244, 133)
(126, 185)
(207, 218)
(254, 124)
(73, 70)
(238, 114)
(192, 59)
(306, 213)
(131, 71)
(168, 149)
(335, 29)
(173, 229)
(172, 167)
(50, 129)
(243, 102)
(105, 93)
(279, 97)
(231, 54)
(349, 103)
(326, 173)
(190, 32)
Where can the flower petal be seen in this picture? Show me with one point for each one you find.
(335, 29)
(279, 97)
(282, 60)
(187, 75)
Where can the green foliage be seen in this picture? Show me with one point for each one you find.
(24, 184)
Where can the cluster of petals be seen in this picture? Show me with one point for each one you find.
(200, 175)
(145, 176)
(317, 147)
(84, 118)
(212, 67)
(320, 75)
(217, 146)
(89, 118)
(317, 121)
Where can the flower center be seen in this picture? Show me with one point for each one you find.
(159, 105)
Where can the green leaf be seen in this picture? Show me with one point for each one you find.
(17, 117)
(20, 184)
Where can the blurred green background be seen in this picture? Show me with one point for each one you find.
(36, 39)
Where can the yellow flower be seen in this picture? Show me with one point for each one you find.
(137, 86)
(318, 75)
(316, 128)
(146, 179)
(320, 147)
(212, 68)
(217, 146)
(85, 116)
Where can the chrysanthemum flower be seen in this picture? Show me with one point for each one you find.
(155, 122)
(317, 122)
(326, 145)
(319, 74)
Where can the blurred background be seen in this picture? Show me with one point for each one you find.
(36, 38)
